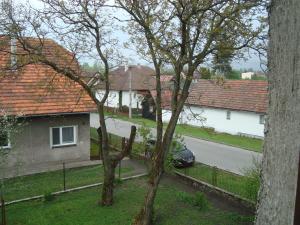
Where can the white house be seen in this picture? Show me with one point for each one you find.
(235, 107)
(247, 75)
(119, 95)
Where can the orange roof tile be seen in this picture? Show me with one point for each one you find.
(244, 95)
(37, 89)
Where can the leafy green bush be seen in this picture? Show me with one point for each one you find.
(252, 182)
(48, 197)
(118, 181)
(143, 132)
(198, 200)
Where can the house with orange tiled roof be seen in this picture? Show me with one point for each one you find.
(54, 110)
(232, 106)
(121, 79)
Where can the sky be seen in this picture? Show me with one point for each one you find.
(252, 60)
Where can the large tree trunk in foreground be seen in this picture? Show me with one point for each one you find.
(110, 163)
(277, 196)
(145, 215)
(108, 185)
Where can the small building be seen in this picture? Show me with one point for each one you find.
(247, 75)
(119, 94)
(235, 106)
(53, 113)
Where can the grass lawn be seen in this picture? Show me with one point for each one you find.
(243, 186)
(42, 183)
(80, 208)
(252, 144)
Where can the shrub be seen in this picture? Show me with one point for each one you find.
(118, 181)
(198, 200)
(252, 182)
(48, 197)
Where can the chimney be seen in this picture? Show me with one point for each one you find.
(13, 53)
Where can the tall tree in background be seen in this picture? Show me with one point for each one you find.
(280, 168)
(85, 29)
(223, 57)
(183, 34)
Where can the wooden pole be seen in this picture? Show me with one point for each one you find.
(64, 175)
(297, 206)
(3, 211)
(120, 169)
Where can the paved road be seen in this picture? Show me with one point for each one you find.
(225, 157)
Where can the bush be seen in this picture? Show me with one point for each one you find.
(198, 200)
(124, 109)
(118, 181)
(252, 182)
(48, 197)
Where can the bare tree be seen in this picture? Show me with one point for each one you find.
(276, 204)
(184, 34)
(85, 29)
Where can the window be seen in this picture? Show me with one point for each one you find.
(228, 115)
(4, 140)
(63, 136)
(261, 119)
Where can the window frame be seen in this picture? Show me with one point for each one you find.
(262, 119)
(61, 144)
(228, 115)
(8, 146)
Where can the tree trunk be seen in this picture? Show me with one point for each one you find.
(108, 186)
(145, 216)
(277, 195)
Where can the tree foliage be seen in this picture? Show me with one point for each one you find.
(184, 34)
(85, 29)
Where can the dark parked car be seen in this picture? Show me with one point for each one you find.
(181, 155)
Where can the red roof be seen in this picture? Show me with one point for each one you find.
(120, 80)
(244, 95)
(37, 89)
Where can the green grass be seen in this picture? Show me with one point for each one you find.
(42, 183)
(253, 144)
(94, 149)
(81, 208)
(241, 185)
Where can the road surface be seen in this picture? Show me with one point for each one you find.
(225, 157)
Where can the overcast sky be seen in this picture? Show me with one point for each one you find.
(252, 61)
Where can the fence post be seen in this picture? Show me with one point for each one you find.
(123, 143)
(120, 169)
(109, 138)
(64, 175)
(214, 176)
(3, 211)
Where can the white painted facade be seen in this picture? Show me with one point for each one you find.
(247, 75)
(113, 99)
(239, 123)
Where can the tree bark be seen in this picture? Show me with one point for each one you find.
(277, 195)
(108, 185)
(145, 215)
(110, 163)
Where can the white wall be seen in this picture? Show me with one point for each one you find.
(113, 98)
(241, 122)
(247, 75)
